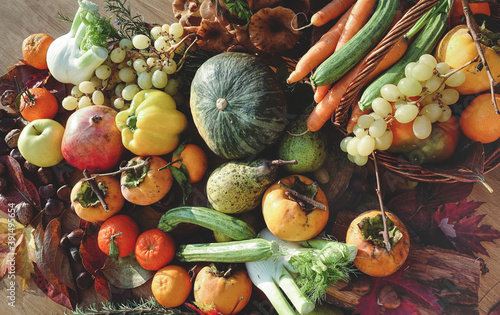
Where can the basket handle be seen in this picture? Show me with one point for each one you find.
(340, 116)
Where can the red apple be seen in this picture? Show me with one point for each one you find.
(91, 139)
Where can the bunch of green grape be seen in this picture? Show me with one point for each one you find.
(422, 97)
(133, 65)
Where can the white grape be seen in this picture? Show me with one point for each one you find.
(87, 87)
(162, 44)
(409, 69)
(75, 91)
(432, 111)
(364, 121)
(344, 142)
(152, 62)
(98, 97)
(377, 128)
(140, 65)
(156, 32)
(429, 99)
(118, 103)
(69, 103)
(428, 60)
(165, 28)
(390, 92)
(144, 80)
(449, 96)
(456, 79)
(384, 142)
(359, 132)
(406, 113)
(126, 43)
(97, 82)
(169, 66)
(409, 87)
(433, 83)
(382, 107)
(84, 101)
(172, 87)
(351, 158)
(117, 55)
(130, 91)
(159, 79)
(422, 72)
(127, 74)
(176, 30)
(375, 116)
(141, 41)
(352, 146)
(103, 72)
(442, 68)
(366, 145)
(399, 103)
(119, 88)
(446, 114)
(422, 127)
(360, 160)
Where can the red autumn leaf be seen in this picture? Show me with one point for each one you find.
(410, 290)
(22, 189)
(462, 227)
(438, 194)
(49, 290)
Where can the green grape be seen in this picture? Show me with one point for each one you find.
(169, 66)
(159, 79)
(130, 91)
(69, 103)
(360, 160)
(144, 80)
(422, 72)
(98, 97)
(156, 32)
(126, 43)
(428, 60)
(449, 96)
(103, 72)
(75, 91)
(422, 127)
(366, 145)
(384, 142)
(406, 113)
(364, 121)
(127, 74)
(456, 79)
(140, 65)
(84, 101)
(352, 146)
(117, 55)
(390, 92)
(409, 87)
(344, 142)
(382, 107)
(432, 111)
(359, 132)
(87, 87)
(377, 128)
(141, 41)
(118, 103)
(176, 30)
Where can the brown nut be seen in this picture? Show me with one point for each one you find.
(24, 212)
(45, 175)
(54, 207)
(46, 191)
(84, 280)
(64, 193)
(8, 97)
(362, 284)
(75, 253)
(387, 297)
(75, 237)
(7, 124)
(12, 137)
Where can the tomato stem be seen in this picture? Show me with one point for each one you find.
(379, 195)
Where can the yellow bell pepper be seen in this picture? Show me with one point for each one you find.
(152, 125)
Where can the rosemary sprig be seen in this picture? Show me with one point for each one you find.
(130, 307)
(128, 24)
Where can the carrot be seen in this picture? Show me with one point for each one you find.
(321, 92)
(321, 50)
(330, 11)
(360, 14)
(325, 109)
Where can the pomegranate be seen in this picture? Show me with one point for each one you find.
(91, 139)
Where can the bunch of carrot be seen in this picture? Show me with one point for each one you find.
(352, 15)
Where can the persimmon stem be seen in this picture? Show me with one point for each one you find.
(385, 233)
(473, 30)
(96, 189)
(120, 170)
(300, 196)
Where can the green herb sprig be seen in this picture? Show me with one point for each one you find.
(128, 25)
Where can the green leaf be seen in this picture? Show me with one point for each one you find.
(181, 176)
(126, 272)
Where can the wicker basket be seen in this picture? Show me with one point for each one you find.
(387, 160)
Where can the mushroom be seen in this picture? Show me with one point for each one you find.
(214, 36)
(256, 5)
(273, 30)
(187, 12)
(207, 10)
(298, 6)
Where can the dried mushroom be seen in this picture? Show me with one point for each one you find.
(214, 36)
(256, 5)
(187, 12)
(274, 30)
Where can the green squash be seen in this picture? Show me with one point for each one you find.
(238, 105)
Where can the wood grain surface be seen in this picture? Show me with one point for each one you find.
(20, 18)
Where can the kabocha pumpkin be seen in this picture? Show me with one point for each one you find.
(227, 291)
(293, 218)
(238, 105)
(373, 258)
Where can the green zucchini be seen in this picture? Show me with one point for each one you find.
(344, 59)
(424, 43)
(228, 252)
(207, 218)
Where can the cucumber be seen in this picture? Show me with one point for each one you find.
(228, 252)
(207, 218)
(424, 43)
(344, 59)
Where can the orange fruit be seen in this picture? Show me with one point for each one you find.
(154, 249)
(122, 230)
(171, 285)
(479, 121)
(38, 103)
(195, 160)
(35, 48)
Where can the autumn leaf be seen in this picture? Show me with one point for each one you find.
(17, 247)
(461, 227)
(125, 272)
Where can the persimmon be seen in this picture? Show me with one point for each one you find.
(227, 291)
(117, 236)
(289, 218)
(146, 185)
(479, 121)
(34, 49)
(171, 285)
(86, 204)
(195, 160)
(38, 103)
(373, 258)
(154, 249)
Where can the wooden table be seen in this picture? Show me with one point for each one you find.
(20, 18)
